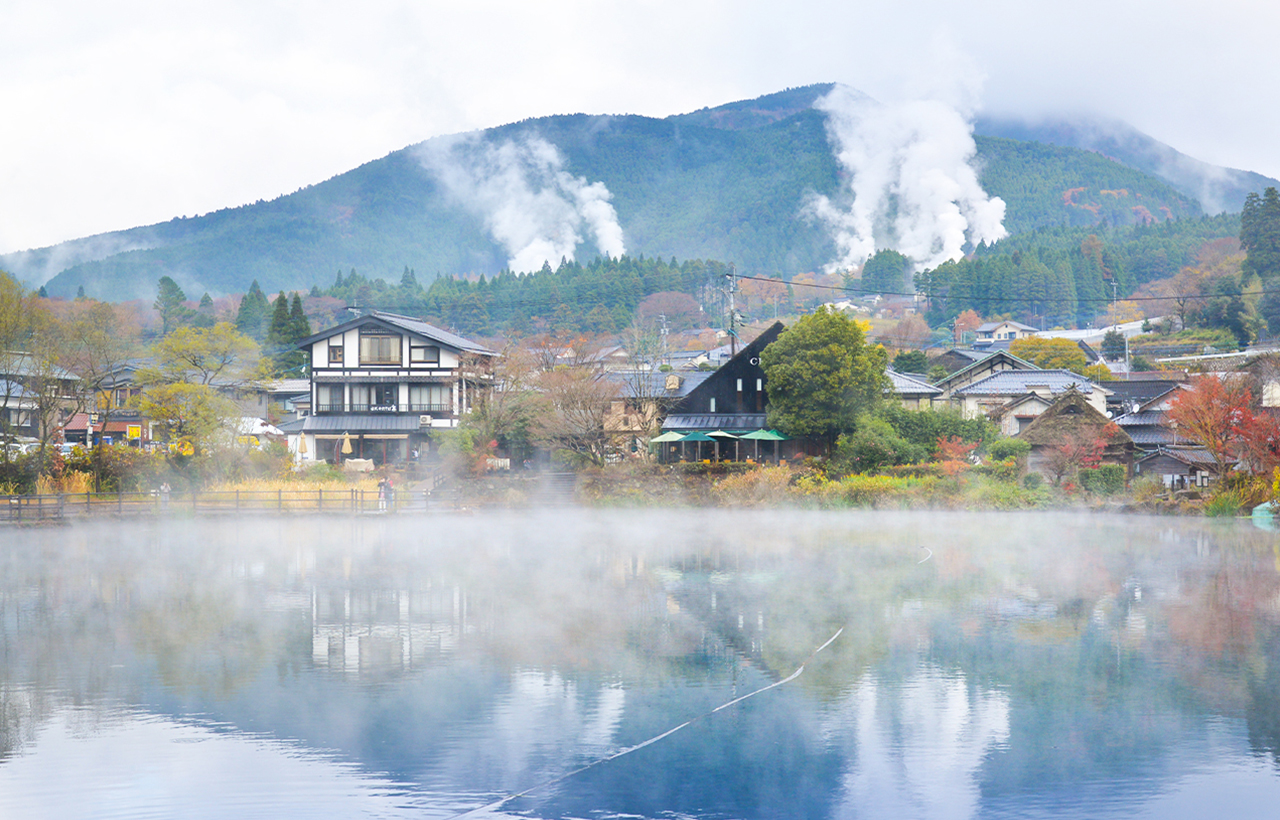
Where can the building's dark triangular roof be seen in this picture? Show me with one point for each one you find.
(405, 323)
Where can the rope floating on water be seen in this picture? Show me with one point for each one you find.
(628, 750)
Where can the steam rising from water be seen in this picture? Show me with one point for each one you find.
(530, 204)
(910, 175)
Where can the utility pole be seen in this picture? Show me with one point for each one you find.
(663, 355)
(732, 276)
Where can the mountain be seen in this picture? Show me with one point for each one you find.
(727, 183)
(1217, 189)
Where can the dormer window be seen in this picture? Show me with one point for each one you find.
(379, 349)
(335, 351)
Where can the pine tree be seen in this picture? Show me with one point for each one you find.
(301, 326)
(254, 313)
(278, 344)
(204, 312)
(1260, 234)
(169, 299)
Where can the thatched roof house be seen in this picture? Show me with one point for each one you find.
(1070, 428)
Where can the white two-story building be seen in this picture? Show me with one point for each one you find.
(381, 383)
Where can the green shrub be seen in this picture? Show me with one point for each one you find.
(1032, 481)
(1105, 479)
(1224, 505)
(874, 446)
(1007, 448)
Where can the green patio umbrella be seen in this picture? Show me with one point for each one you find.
(765, 435)
(694, 436)
(669, 437)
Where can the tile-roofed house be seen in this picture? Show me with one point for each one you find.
(992, 393)
(1004, 331)
(1126, 395)
(997, 362)
(1179, 467)
(914, 393)
(1148, 424)
(385, 382)
(644, 399)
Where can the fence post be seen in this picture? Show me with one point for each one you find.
(237, 501)
(193, 500)
(120, 499)
(88, 503)
(279, 500)
(62, 505)
(320, 500)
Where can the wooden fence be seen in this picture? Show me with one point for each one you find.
(34, 508)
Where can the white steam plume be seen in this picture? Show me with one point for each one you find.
(913, 186)
(529, 203)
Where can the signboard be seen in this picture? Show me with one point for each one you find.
(133, 432)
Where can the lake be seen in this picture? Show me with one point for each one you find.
(811, 665)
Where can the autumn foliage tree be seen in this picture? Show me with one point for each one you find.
(1215, 413)
(1060, 354)
(1081, 449)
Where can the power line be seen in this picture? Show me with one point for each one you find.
(1016, 299)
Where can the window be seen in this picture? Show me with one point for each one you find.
(335, 351)
(713, 405)
(328, 398)
(423, 354)
(430, 398)
(382, 398)
(380, 349)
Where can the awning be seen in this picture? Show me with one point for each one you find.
(357, 423)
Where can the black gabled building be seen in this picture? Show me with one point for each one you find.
(732, 399)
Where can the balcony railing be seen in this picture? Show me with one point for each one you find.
(338, 407)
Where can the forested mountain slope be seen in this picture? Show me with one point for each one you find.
(728, 183)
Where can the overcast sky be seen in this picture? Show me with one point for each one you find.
(132, 112)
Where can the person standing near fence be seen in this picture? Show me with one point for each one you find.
(164, 494)
(383, 489)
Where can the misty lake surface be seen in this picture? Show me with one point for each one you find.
(516, 664)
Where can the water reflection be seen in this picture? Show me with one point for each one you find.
(990, 665)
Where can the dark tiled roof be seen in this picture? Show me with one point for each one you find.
(361, 423)
(1146, 417)
(1191, 456)
(654, 385)
(406, 323)
(729, 422)
(1017, 382)
(1151, 435)
(905, 385)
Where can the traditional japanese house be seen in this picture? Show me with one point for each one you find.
(381, 383)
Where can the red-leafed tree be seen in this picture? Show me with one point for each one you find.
(1258, 443)
(953, 454)
(1217, 414)
(1080, 449)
